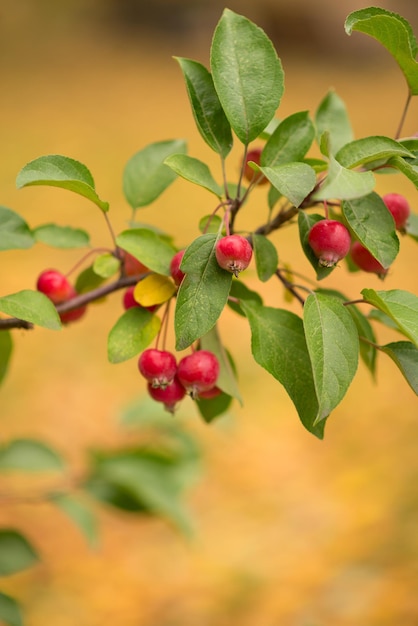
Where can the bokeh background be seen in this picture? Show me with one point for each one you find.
(290, 531)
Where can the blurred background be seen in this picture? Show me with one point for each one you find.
(290, 530)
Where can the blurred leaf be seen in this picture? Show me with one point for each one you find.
(212, 408)
(203, 292)
(6, 349)
(16, 553)
(145, 176)
(369, 149)
(207, 110)
(331, 117)
(394, 33)
(373, 225)
(106, 265)
(81, 515)
(88, 280)
(344, 184)
(152, 249)
(290, 141)
(278, 344)
(60, 171)
(227, 381)
(247, 75)
(14, 231)
(210, 224)
(401, 306)
(194, 171)
(405, 355)
(132, 333)
(266, 257)
(10, 613)
(412, 226)
(30, 456)
(154, 289)
(305, 223)
(61, 236)
(333, 347)
(31, 306)
(295, 181)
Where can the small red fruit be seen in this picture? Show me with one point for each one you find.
(169, 395)
(198, 372)
(366, 261)
(330, 241)
(131, 265)
(399, 207)
(233, 253)
(250, 174)
(176, 274)
(158, 367)
(54, 285)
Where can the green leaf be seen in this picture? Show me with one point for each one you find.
(333, 346)
(247, 75)
(132, 333)
(10, 613)
(241, 292)
(106, 265)
(331, 117)
(210, 118)
(266, 257)
(290, 141)
(81, 515)
(410, 170)
(33, 307)
(405, 355)
(278, 344)
(373, 225)
(226, 380)
(394, 33)
(412, 226)
(88, 280)
(29, 455)
(369, 150)
(194, 171)
(344, 184)
(152, 249)
(16, 553)
(295, 181)
(145, 176)
(60, 171)
(210, 223)
(6, 349)
(61, 236)
(305, 223)
(14, 231)
(203, 292)
(401, 306)
(211, 408)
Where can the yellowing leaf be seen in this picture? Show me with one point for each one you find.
(154, 289)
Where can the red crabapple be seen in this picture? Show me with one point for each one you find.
(399, 207)
(250, 174)
(169, 395)
(59, 290)
(198, 372)
(330, 241)
(131, 265)
(158, 367)
(233, 253)
(176, 274)
(366, 261)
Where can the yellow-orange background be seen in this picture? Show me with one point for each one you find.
(290, 530)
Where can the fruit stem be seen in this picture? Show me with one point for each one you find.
(86, 256)
(403, 116)
(290, 286)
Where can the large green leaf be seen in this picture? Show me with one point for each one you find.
(31, 306)
(16, 553)
(405, 355)
(266, 257)
(368, 150)
(6, 349)
(145, 176)
(401, 306)
(14, 231)
(344, 184)
(290, 141)
(373, 225)
(278, 344)
(333, 346)
(60, 171)
(247, 75)
(394, 33)
(132, 333)
(226, 379)
(194, 171)
(61, 236)
(210, 118)
(203, 292)
(10, 613)
(30, 456)
(293, 180)
(331, 117)
(152, 249)
(407, 167)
